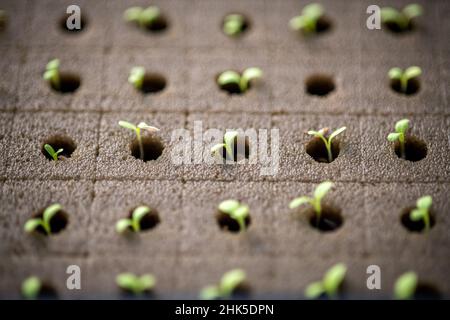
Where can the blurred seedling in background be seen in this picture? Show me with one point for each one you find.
(136, 285)
(234, 25)
(327, 139)
(137, 130)
(32, 225)
(145, 18)
(54, 154)
(52, 74)
(401, 19)
(3, 19)
(234, 82)
(330, 283)
(404, 77)
(136, 77)
(228, 285)
(31, 287)
(236, 211)
(405, 286)
(308, 20)
(422, 211)
(399, 135)
(133, 223)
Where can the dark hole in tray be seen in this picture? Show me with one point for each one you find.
(130, 295)
(245, 25)
(425, 291)
(47, 292)
(227, 223)
(63, 24)
(317, 150)
(68, 83)
(393, 27)
(415, 226)
(60, 142)
(330, 219)
(415, 149)
(323, 24)
(57, 223)
(160, 25)
(239, 150)
(149, 221)
(153, 82)
(153, 148)
(412, 88)
(319, 85)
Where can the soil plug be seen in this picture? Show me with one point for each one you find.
(52, 74)
(401, 127)
(234, 24)
(31, 287)
(33, 224)
(406, 285)
(401, 19)
(237, 211)
(308, 20)
(241, 81)
(327, 138)
(422, 211)
(229, 282)
(145, 18)
(54, 154)
(137, 130)
(330, 283)
(136, 284)
(404, 76)
(133, 223)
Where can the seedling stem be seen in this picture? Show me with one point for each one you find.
(401, 127)
(54, 154)
(327, 140)
(137, 130)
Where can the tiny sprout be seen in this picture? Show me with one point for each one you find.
(404, 76)
(320, 192)
(401, 127)
(402, 19)
(54, 154)
(307, 21)
(133, 223)
(33, 224)
(406, 285)
(228, 144)
(136, 78)
(52, 74)
(144, 17)
(236, 210)
(31, 287)
(229, 282)
(136, 284)
(242, 81)
(234, 24)
(330, 283)
(327, 139)
(137, 130)
(422, 211)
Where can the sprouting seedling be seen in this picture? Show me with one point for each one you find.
(31, 287)
(136, 284)
(327, 139)
(137, 129)
(144, 17)
(422, 211)
(401, 127)
(52, 74)
(402, 19)
(136, 77)
(242, 81)
(405, 285)
(307, 21)
(32, 224)
(133, 223)
(236, 210)
(330, 283)
(228, 144)
(233, 24)
(404, 76)
(228, 284)
(315, 201)
(54, 154)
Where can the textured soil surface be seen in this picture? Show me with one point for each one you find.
(102, 182)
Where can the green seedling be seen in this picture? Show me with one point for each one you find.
(402, 19)
(52, 74)
(137, 129)
(136, 77)
(422, 211)
(31, 287)
(404, 76)
(406, 285)
(228, 284)
(236, 210)
(33, 224)
(143, 17)
(133, 223)
(234, 24)
(241, 80)
(136, 284)
(54, 154)
(228, 144)
(315, 201)
(330, 283)
(307, 21)
(401, 127)
(327, 138)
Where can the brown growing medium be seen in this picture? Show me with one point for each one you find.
(59, 142)
(415, 226)
(57, 224)
(153, 148)
(415, 149)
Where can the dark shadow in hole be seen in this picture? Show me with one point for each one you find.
(319, 85)
(153, 148)
(415, 149)
(330, 219)
(415, 226)
(227, 223)
(412, 88)
(59, 142)
(245, 26)
(69, 83)
(232, 88)
(47, 292)
(153, 83)
(317, 150)
(149, 221)
(57, 223)
(425, 291)
(394, 28)
(158, 26)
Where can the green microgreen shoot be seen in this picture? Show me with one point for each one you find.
(137, 129)
(404, 76)
(401, 127)
(233, 24)
(241, 80)
(136, 284)
(54, 154)
(133, 223)
(330, 283)
(327, 138)
(33, 224)
(136, 77)
(307, 21)
(402, 19)
(406, 285)
(236, 210)
(422, 211)
(228, 284)
(31, 287)
(143, 17)
(52, 74)
(228, 144)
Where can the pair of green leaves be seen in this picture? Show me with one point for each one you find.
(136, 284)
(315, 201)
(51, 73)
(137, 130)
(422, 211)
(144, 17)
(228, 284)
(233, 24)
(404, 76)
(401, 18)
(401, 127)
(229, 139)
(136, 77)
(329, 284)
(32, 224)
(54, 154)
(307, 21)
(133, 223)
(242, 81)
(237, 211)
(327, 139)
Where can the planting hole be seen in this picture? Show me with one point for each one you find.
(57, 223)
(227, 223)
(68, 83)
(319, 85)
(323, 24)
(63, 25)
(241, 149)
(425, 291)
(394, 27)
(149, 221)
(411, 89)
(415, 149)
(330, 219)
(245, 24)
(159, 25)
(59, 142)
(47, 292)
(153, 82)
(415, 226)
(317, 150)
(153, 148)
